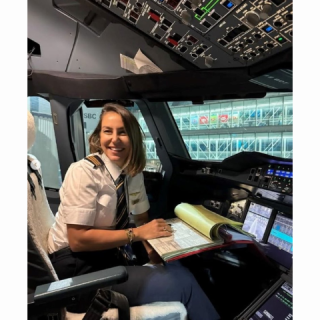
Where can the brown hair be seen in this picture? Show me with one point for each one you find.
(137, 158)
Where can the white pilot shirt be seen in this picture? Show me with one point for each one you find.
(88, 197)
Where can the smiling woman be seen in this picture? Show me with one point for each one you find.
(92, 224)
(114, 140)
(118, 135)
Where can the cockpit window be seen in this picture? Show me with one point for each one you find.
(45, 146)
(217, 129)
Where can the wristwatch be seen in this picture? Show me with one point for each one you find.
(130, 235)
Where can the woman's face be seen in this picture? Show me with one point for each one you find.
(114, 140)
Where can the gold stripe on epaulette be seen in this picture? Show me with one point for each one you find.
(94, 161)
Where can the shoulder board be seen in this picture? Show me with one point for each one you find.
(95, 160)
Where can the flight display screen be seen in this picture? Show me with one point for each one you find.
(281, 240)
(256, 220)
(278, 306)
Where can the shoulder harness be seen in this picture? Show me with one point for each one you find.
(95, 160)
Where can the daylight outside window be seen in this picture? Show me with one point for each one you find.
(216, 130)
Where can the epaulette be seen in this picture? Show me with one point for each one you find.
(95, 160)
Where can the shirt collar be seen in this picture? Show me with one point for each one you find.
(114, 170)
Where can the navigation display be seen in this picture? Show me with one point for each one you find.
(281, 233)
(278, 306)
(281, 240)
(256, 220)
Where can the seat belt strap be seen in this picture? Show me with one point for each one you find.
(103, 300)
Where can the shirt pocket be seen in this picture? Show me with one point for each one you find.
(106, 209)
(104, 199)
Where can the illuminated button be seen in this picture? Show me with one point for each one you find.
(267, 28)
(228, 4)
(281, 40)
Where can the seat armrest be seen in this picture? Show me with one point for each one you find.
(70, 287)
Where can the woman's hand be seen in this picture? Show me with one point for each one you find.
(154, 229)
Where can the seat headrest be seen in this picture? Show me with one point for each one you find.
(31, 130)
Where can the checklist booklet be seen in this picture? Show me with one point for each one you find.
(197, 229)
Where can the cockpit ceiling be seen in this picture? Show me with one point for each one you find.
(205, 33)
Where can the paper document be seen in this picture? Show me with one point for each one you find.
(140, 64)
(202, 219)
(183, 237)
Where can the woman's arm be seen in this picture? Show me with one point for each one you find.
(141, 219)
(83, 238)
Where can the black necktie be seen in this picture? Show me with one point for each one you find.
(122, 218)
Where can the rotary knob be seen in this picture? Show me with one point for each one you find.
(265, 11)
(195, 3)
(186, 17)
(208, 61)
(252, 18)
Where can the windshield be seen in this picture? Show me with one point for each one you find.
(217, 129)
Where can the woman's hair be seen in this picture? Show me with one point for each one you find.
(137, 157)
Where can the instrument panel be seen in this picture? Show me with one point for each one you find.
(207, 33)
(271, 181)
(273, 177)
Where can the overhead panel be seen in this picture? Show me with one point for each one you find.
(212, 33)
